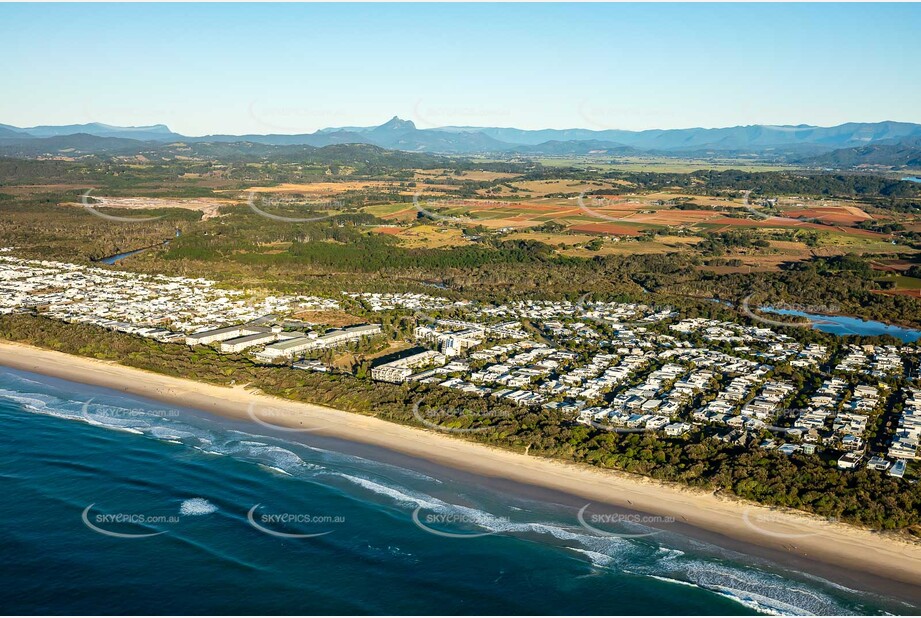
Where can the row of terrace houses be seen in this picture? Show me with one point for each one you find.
(768, 402)
(723, 409)
(907, 437)
(422, 302)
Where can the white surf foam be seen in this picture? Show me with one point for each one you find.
(760, 590)
(274, 469)
(397, 495)
(597, 558)
(194, 507)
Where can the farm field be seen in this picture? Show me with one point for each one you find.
(542, 188)
(27, 190)
(837, 215)
(661, 164)
(472, 175)
(728, 235)
(571, 225)
(906, 283)
(321, 188)
(631, 246)
(608, 228)
(564, 239)
(834, 211)
(425, 236)
(332, 189)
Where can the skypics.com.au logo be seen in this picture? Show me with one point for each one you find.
(90, 207)
(592, 207)
(124, 525)
(592, 520)
(252, 198)
(432, 207)
(431, 114)
(778, 524)
(276, 419)
(275, 524)
(452, 420)
(105, 523)
(101, 412)
(801, 312)
(453, 524)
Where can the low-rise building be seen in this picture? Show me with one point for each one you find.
(849, 461)
(214, 335)
(677, 429)
(397, 371)
(233, 346)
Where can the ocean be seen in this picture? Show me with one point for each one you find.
(120, 505)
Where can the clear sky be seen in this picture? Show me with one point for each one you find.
(290, 68)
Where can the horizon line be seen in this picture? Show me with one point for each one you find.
(471, 127)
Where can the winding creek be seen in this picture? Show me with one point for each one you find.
(112, 259)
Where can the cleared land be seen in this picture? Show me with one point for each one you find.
(660, 164)
(473, 175)
(322, 188)
(426, 236)
(209, 207)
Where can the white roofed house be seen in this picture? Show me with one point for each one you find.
(878, 463)
(898, 469)
(850, 460)
(677, 429)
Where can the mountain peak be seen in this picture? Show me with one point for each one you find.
(397, 124)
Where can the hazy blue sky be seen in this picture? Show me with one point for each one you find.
(286, 68)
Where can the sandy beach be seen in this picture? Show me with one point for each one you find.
(794, 534)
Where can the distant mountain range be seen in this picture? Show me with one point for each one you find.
(906, 153)
(880, 141)
(159, 132)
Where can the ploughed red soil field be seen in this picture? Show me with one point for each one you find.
(786, 222)
(909, 293)
(385, 229)
(674, 217)
(842, 215)
(891, 265)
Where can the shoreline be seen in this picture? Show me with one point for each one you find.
(788, 536)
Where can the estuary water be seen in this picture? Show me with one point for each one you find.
(843, 325)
